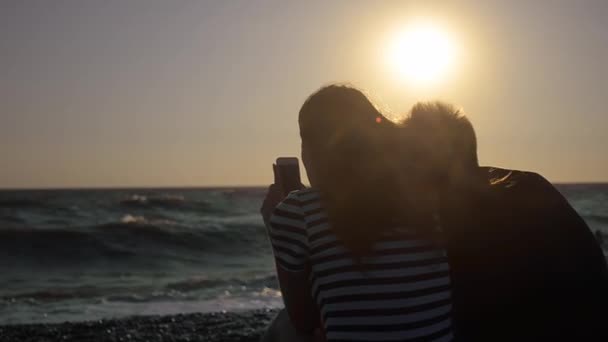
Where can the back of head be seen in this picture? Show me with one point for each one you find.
(347, 145)
(446, 134)
(335, 111)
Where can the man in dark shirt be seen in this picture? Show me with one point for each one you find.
(525, 266)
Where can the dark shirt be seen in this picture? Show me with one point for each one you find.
(525, 266)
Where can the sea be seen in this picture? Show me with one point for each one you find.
(74, 255)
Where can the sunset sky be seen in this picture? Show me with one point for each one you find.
(206, 93)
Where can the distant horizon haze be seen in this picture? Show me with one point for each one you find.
(200, 187)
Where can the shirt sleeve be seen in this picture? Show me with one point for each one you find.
(287, 232)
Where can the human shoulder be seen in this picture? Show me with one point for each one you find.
(529, 189)
(295, 197)
(296, 202)
(304, 196)
(509, 178)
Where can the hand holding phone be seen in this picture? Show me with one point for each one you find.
(286, 179)
(287, 174)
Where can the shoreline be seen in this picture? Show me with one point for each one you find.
(216, 326)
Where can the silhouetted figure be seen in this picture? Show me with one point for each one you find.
(525, 266)
(359, 246)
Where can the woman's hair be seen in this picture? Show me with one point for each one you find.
(358, 174)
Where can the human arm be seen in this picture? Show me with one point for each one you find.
(286, 229)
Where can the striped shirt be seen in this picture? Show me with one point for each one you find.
(402, 294)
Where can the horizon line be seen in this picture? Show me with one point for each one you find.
(210, 187)
(134, 187)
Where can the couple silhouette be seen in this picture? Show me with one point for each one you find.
(404, 236)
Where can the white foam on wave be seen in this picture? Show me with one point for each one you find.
(135, 219)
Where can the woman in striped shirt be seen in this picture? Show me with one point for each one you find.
(359, 254)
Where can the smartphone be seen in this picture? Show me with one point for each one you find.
(287, 171)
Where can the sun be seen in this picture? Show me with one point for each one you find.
(422, 53)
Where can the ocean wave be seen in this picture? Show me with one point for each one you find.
(48, 245)
(107, 294)
(597, 218)
(180, 290)
(147, 297)
(57, 294)
(17, 203)
(132, 237)
(11, 219)
(163, 202)
(198, 283)
(194, 283)
(254, 192)
(142, 220)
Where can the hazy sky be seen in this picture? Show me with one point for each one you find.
(162, 93)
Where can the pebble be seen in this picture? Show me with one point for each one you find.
(220, 326)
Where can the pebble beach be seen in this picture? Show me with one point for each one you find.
(223, 326)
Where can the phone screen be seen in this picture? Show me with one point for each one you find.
(289, 170)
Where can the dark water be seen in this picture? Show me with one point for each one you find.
(88, 254)
(74, 255)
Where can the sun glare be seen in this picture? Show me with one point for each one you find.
(422, 53)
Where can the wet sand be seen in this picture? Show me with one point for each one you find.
(231, 326)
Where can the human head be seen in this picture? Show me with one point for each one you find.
(331, 118)
(448, 137)
(353, 156)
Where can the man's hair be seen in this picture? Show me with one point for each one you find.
(447, 129)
